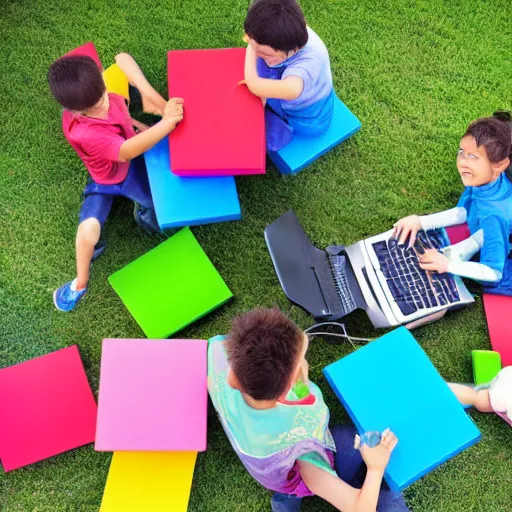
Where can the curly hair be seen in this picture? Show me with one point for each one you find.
(262, 349)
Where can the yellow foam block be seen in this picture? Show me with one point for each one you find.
(149, 482)
(116, 81)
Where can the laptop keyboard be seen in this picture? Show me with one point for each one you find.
(412, 288)
(338, 263)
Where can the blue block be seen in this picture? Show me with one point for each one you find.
(303, 150)
(392, 383)
(188, 201)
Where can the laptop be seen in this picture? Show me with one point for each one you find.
(377, 275)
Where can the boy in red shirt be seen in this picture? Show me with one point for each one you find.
(99, 127)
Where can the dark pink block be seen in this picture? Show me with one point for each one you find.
(223, 129)
(46, 408)
(458, 233)
(87, 49)
(498, 310)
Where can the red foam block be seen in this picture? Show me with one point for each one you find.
(458, 233)
(223, 129)
(46, 408)
(498, 310)
(87, 49)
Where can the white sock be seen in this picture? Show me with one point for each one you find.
(73, 285)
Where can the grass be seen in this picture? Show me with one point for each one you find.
(415, 73)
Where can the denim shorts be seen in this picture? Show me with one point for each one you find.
(98, 199)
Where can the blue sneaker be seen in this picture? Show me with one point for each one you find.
(65, 299)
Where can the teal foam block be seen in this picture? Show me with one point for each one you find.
(392, 383)
(188, 201)
(303, 150)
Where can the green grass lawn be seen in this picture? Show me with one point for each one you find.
(415, 73)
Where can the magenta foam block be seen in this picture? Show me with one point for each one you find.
(46, 408)
(223, 130)
(87, 50)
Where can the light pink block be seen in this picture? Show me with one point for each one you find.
(153, 395)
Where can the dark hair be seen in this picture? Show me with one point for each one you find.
(279, 24)
(76, 82)
(262, 349)
(495, 134)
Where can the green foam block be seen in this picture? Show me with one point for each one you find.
(171, 286)
(486, 365)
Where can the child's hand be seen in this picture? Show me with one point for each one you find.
(304, 372)
(173, 110)
(378, 457)
(407, 227)
(432, 259)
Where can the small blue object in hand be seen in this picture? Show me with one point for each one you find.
(372, 439)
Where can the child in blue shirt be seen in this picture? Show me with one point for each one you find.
(287, 65)
(283, 441)
(486, 205)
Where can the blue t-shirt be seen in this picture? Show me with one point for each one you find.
(489, 207)
(311, 112)
(312, 64)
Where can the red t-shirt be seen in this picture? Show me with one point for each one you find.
(98, 141)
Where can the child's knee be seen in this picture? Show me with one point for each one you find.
(343, 436)
(346, 432)
(121, 56)
(89, 232)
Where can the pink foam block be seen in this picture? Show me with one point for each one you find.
(87, 49)
(457, 233)
(223, 128)
(46, 408)
(498, 310)
(153, 395)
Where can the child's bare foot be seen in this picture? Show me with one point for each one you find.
(152, 102)
(153, 105)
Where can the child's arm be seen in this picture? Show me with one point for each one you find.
(465, 249)
(288, 89)
(466, 395)
(145, 140)
(304, 372)
(408, 227)
(492, 238)
(434, 260)
(451, 259)
(342, 495)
